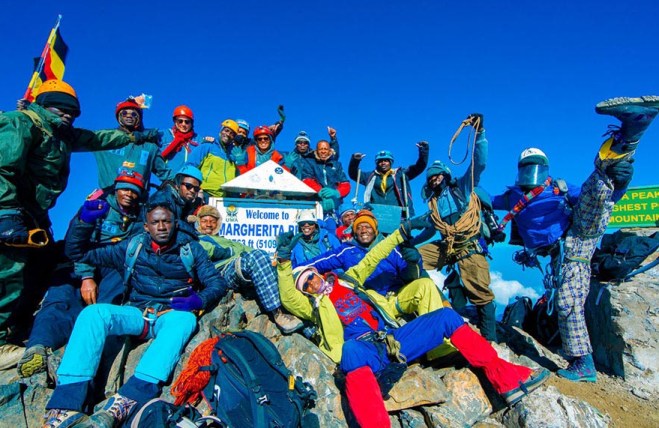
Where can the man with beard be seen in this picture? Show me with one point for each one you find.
(85, 285)
(36, 145)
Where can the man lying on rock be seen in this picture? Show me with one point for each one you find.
(357, 331)
(162, 302)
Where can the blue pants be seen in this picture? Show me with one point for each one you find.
(62, 304)
(416, 338)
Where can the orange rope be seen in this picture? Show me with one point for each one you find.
(191, 381)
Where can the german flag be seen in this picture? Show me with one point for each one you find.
(51, 63)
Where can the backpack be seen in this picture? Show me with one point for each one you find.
(133, 250)
(542, 326)
(621, 253)
(162, 414)
(516, 313)
(251, 387)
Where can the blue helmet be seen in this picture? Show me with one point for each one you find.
(384, 154)
(191, 171)
(242, 123)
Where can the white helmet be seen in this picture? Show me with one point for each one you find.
(532, 168)
(532, 156)
(306, 215)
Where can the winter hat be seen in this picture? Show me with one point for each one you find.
(365, 216)
(131, 180)
(301, 274)
(302, 136)
(208, 210)
(437, 167)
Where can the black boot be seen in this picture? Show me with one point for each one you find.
(487, 322)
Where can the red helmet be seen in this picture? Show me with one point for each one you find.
(263, 130)
(183, 111)
(129, 103)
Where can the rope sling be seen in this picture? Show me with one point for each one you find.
(457, 236)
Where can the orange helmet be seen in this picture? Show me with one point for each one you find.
(183, 111)
(56, 86)
(263, 130)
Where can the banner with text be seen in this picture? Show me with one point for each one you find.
(257, 222)
(639, 207)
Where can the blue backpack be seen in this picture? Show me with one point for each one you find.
(251, 387)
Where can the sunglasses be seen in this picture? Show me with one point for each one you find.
(306, 223)
(191, 186)
(262, 138)
(126, 113)
(186, 121)
(307, 284)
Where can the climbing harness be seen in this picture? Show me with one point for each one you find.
(553, 271)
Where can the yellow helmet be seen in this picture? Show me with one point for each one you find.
(56, 86)
(231, 124)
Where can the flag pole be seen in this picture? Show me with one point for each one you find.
(42, 59)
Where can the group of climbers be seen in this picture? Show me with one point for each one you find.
(145, 262)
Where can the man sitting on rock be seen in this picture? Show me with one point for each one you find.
(357, 331)
(243, 267)
(162, 302)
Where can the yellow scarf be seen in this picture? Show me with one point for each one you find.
(383, 184)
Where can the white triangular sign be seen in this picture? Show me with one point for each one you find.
(268, 177)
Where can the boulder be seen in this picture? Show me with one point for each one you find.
(417, 387)
(623, 321)
(548, 408)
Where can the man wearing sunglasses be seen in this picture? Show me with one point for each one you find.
(302, 151)
(182, 193)
(36, 143)
(359, 332)
(143, 158)
(179, 141)
(86, 285)
(262, 151)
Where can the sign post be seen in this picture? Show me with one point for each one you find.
(639, 207)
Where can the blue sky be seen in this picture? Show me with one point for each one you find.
(385, 74)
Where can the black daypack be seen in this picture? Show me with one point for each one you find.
(620, 253)
(516, 313)
(251, 387)
(542, 325)
(162, 414)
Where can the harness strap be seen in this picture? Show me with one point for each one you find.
(523, 203)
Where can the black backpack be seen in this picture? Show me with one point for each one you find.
(516, 313)
(251, 387)
(542, 325)
(621, 253)
(162, 414)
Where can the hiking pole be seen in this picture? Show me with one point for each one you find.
(354, 200)
(406, 208)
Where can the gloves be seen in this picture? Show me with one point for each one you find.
(12, 228)
(221, 253)
(285, 243)
(327, 204)
(410, 254)
(190, 303)
(407, 226)
(280, 111)
(148, 135)
(424, 147)
(620, 173)
(93, 210)
(498, 236)
(473, 118)
(329, 193)
(358, 156)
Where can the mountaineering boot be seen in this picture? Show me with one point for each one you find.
(115, 411)
(34, 360)
(510, 380)
(487, 322)
(365, 399)
(59, 418)
(636, 114)
(581, 369)
(10, 354)
(287, 323)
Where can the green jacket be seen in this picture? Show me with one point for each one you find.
(34, 160)
(321, 311)
(211, 242)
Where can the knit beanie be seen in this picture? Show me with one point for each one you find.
(59, 100)
(302, 136)
(365, 216)
(436, 168)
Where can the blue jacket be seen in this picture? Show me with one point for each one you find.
(157, 277)
(116, 226)
(545, 219)
(321, 242)
(391, 273)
